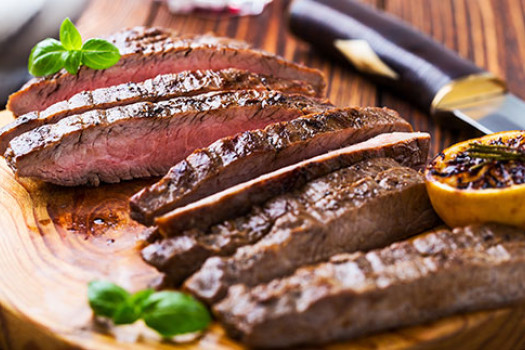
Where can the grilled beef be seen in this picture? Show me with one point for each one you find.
(145, 139)
(411, 282)
(180, 256)
(340, 212)
(242, 157)
(162, 87)
(148, 52)
(408, 148)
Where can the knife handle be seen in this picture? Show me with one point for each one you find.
(400, 56)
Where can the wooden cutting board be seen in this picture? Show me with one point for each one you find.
(54, 240)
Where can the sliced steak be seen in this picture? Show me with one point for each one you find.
(162, 87)
(337, 213)
(410, 149)
(178, 257)
(145, 139)
(148, 52)
(242, 157)
(407, 283)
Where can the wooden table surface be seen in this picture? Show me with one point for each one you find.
(56, 244)
(489, 32)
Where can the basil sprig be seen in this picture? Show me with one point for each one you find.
(169, 313)
(50, 55)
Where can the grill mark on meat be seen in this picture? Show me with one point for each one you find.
(338, 213)
(179, 257)
(143, 59)
(410, 149)
(61, 153)
(160, 88)
(244, 156)
(423, 279)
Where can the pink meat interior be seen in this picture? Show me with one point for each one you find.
(141, 147)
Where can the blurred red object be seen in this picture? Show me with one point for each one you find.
(234, 7)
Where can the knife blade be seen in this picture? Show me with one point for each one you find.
(452, 89)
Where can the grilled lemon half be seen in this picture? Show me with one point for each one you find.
(480, 180)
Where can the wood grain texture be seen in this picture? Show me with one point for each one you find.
(54, 240)
(489, 32)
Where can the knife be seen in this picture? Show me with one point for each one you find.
(452, 89)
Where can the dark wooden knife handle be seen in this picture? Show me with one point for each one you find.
(423, 66)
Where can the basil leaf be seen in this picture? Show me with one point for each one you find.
(50, 55)
(99, 54)
(140, 298)
(72, 62)
(131, 310)
(69, 36)
(105, 298)
(169, 313)
(127, 313)
(47, 57)
(172, 313)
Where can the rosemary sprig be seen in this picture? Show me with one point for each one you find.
(495, 152)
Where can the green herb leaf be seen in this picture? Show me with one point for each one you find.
(131, 310)
(72, 62)
(495, 152)
(126, 314)
(50, 55)
(169, 313)
(106, 298)
(173, 313)
(69, 36)
(99, 54)
(140, 298)
(46, 58)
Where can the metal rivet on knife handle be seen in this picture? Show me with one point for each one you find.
(423, 66)
(363, 57)
(411, 63)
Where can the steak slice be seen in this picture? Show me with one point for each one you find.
(178, 257)
(162, 87)
(334, 214)
(242, 157)
(148, 52)
(408, 283)
(409, 149)
(145, 139)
